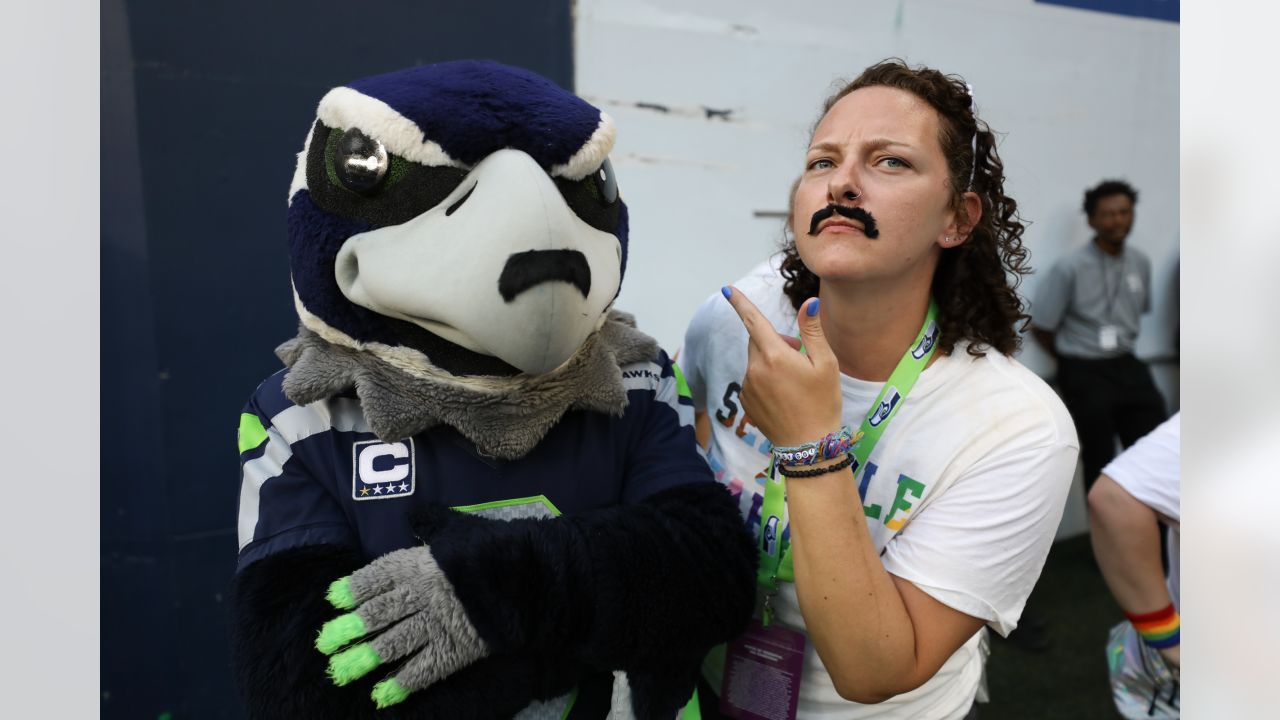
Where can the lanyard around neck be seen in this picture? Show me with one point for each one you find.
(1109, 296)
(776, 562)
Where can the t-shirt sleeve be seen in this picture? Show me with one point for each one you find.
(283, 504)
(1052, 297)
(979, 547)
(663, 451)
(1149, 469)
(693, 355)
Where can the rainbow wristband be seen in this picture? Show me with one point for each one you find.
(1159, 629)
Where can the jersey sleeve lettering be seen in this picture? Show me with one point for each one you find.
(662, 450)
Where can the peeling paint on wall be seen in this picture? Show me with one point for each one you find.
(700, 112)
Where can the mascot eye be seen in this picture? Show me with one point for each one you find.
(594, 198)
(605, 182)
(360, 162)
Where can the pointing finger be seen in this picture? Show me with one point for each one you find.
(761, 331)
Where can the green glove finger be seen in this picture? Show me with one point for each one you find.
(340, 595)
(398, 641)
(353, 663)
(442, 657)
(370, 617)
(389, 692)
(339, 632)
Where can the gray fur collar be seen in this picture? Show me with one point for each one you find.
(504, 417)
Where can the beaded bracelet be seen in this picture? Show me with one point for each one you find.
(846, 462)
(830, 447)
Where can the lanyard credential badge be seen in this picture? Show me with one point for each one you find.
(762, 673)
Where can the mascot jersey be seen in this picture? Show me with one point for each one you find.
(474, 490)
(318, 474)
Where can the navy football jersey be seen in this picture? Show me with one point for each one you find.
(316, 473)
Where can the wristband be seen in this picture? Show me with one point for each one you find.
(1159, 629)
(846, 462)
(830, 447)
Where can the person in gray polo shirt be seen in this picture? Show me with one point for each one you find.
(1086, 314)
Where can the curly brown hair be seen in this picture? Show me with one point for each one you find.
(975, 282)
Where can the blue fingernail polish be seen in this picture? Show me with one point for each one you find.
(813, 307)
(726, 292)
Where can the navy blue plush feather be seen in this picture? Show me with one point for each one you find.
(315, 237)
(473, 108)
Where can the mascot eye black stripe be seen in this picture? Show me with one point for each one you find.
(408, 190)
(594, 198)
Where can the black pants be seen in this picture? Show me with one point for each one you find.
(1108, 398)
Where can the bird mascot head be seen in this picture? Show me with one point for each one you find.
(456, 243)
(461, 216)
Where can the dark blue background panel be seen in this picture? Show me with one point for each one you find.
(1155, 9)
(204, 109)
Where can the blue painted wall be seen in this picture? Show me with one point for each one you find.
(1155, 9)
(204, 107)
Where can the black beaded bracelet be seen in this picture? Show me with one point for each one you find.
(846, 462)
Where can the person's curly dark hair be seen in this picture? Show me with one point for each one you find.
(975, 282)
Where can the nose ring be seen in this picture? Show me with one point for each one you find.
(851, 195)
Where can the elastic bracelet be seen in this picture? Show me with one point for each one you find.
(830, 447)
(1159, 629)
(846, 462)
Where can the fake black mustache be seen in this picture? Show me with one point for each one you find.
(853, 213)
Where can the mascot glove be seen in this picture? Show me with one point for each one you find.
(401, 605)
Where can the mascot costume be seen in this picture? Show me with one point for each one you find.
(474, 491)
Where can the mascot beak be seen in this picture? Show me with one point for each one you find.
(503, 266)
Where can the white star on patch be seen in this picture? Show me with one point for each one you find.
(377, 489)
(403, 487)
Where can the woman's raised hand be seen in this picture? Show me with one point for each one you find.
(793, 397)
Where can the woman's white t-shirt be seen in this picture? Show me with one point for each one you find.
(963, 494)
